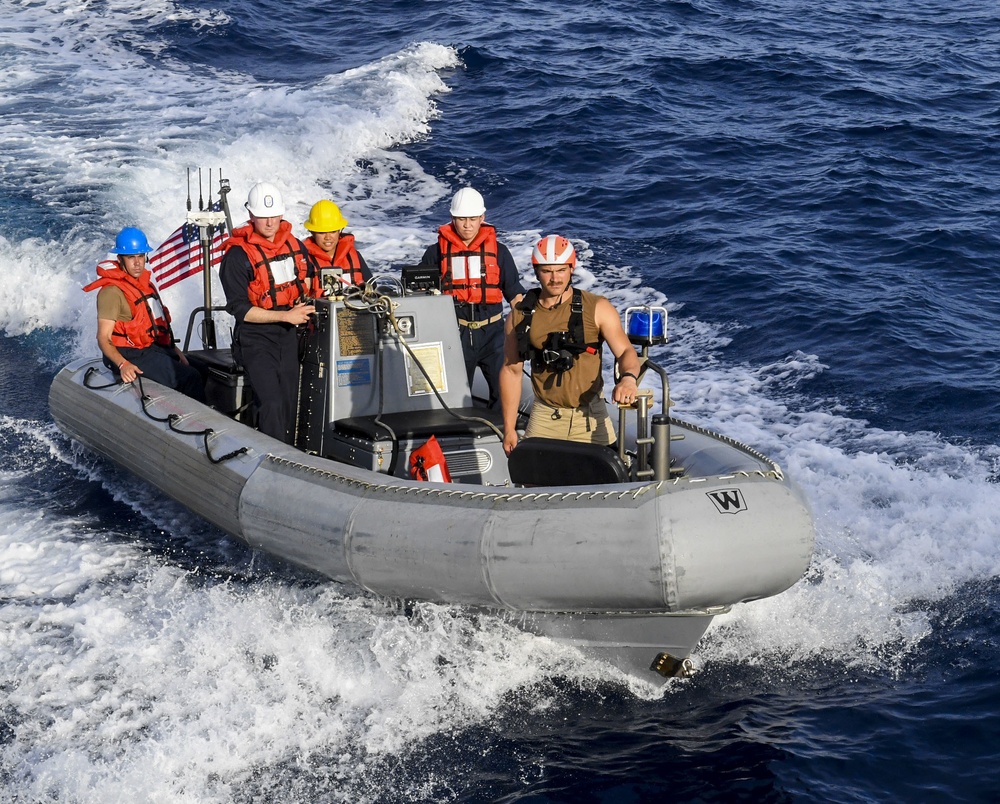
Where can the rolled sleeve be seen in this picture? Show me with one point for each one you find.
(366, 272)
(431, 258)
(236, 274)
(510, 280)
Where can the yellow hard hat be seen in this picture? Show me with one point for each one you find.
(325, 216)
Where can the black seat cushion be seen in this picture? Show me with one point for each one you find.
(554, 462)
(219, 359)
(420, 424)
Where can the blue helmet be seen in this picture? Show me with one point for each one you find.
(131, 241)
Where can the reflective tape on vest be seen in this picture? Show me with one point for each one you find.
(283, 270)
(467, 268)
(156, 308)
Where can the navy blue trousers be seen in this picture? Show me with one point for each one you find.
(162, 365)
(269, 353)
(484, 348)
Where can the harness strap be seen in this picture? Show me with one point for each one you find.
(577, 342)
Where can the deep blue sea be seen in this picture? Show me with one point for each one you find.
(812, 191)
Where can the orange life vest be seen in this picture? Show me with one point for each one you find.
(150, 319)
(345, 257)
(470, 273)
(282, 269)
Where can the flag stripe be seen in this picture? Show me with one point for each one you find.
(177, 259)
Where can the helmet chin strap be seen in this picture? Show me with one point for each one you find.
(553, 306)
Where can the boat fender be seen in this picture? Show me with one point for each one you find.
(427, 462)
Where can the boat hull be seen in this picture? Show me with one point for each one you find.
(601, 567)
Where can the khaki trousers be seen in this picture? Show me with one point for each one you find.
(589, 424)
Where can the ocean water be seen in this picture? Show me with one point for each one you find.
(812, 191)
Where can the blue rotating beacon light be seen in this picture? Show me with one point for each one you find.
(646, 326)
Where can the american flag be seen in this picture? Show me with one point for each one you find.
(179, 256)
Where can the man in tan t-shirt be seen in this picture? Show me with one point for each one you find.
(133, 326)
(565, 354)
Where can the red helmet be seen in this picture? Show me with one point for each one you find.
(553, 250)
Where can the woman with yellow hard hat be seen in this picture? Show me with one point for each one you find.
(331, 247)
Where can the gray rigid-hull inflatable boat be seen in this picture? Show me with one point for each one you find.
(627, 555)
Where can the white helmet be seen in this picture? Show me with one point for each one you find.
(264, 201)
(467, 203)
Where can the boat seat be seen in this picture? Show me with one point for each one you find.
(422, 424)
(220, 360)
(555, 462)
(226, 387)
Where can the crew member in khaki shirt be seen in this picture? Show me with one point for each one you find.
(569, 402)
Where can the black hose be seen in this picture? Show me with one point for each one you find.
(168, 420)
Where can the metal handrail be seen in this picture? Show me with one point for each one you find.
(652, 441)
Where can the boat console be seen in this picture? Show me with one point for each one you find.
(380, 377)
